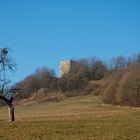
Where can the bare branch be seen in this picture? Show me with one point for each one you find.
(6, 93)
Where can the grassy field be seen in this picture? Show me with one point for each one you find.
(76, 118)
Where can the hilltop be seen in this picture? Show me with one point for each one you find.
(117, 82)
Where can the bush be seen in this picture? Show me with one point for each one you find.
(131, 89)
(123, 87)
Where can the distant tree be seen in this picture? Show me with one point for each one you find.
(138, 58)
(42, 78)
(117, 63)
(94, 68)
(97, 68)
(7, 93)
(45, 77)
(84, 62)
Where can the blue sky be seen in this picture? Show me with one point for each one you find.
(44, 32)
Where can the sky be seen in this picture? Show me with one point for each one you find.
(44, 32)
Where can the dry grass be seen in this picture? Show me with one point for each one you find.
(76, 118)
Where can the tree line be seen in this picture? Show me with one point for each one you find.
(120, 75)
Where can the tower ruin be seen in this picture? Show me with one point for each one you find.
(67, 66)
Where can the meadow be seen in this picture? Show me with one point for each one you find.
(75, 118)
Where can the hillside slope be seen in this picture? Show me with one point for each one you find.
(76, 118)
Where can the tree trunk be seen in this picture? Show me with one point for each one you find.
(11, 113)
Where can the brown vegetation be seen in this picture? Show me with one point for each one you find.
(123, 84)
(118, 81)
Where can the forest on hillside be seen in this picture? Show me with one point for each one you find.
(117, 81)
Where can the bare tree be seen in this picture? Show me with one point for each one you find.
(7, 93)
(117, 63)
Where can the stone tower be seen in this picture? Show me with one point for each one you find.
(67, 65)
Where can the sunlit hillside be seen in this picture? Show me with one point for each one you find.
(76, 118)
